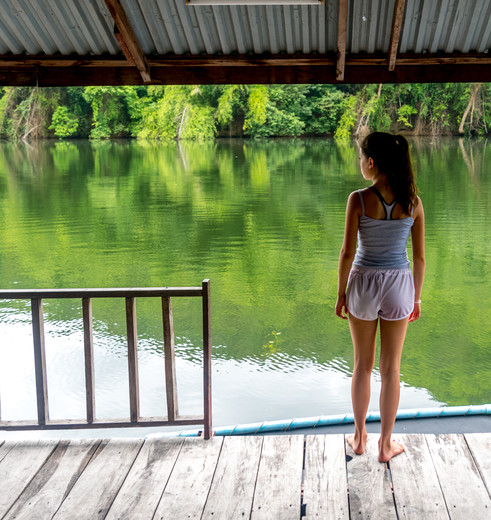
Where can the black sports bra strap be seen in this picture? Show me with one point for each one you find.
(386, 206)
(379, 195)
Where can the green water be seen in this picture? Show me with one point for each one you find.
(264, 221)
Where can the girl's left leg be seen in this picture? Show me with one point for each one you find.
(392, 335)
(363, 334)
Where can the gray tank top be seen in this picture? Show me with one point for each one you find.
(383, 243)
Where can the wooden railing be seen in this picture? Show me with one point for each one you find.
(165, 293)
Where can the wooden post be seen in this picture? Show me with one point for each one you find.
(89, 359)
(40, 361)
(132, 359)
(395, 34)
(131, 46)
(207, 359)
(341, 48)
(170, 359)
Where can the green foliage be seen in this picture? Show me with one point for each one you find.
(116, 111)
(64, 123)
(203, 112)
(198, 123)
(256, 109)
(231, 103)
(179, 113)
(327, 111)
(404, 113)
(279, 124)
(347, 121)
(6, 93)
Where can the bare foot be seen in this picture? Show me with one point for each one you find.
(357, 444)
(386, 454)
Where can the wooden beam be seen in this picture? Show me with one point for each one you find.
(342, 26)
(124, 47)
(250, 70)
(395, 33)
(255, 61)
(127, 39)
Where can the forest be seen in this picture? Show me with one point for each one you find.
(203, 112)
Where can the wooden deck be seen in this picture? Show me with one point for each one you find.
(270, 477)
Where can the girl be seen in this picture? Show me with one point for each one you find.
(381, 288)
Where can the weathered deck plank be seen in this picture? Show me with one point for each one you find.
(416, 487)
(189, 484)
(94, 492)
(235, 476)
(5, 447)
(325, 491)
(141, 492)
(279, 478)
(464, 491)
(370, 493)
(436, 477)
(47, 490)
(480, 446)
(18, 467)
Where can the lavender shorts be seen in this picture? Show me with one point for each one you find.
(384, 293)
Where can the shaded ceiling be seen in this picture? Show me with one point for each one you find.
(132, 42)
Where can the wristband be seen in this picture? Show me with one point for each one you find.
(418, 301)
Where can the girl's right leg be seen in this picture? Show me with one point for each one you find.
(363, 334)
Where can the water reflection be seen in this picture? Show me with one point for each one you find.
(262, 220)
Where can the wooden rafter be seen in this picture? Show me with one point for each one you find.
(127, 40)
(395, 34)
(342, 26)
(204, 61)
(52, 71)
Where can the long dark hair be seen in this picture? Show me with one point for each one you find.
(391, 155)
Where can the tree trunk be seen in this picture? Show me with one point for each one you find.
(182, 123)
(470, 105)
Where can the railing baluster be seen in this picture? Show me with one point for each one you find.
(89, 359)
(132, 359)
(170, 360)
(206, 358)
(37, 296)
(40, 361)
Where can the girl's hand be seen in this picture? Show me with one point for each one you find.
(340, 306)
(416, 314)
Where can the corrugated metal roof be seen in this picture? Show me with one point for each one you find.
(446, 26)
(165, 28)
(37, 27)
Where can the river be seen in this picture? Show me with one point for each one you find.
(264, 221)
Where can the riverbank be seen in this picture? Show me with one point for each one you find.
(202, 112)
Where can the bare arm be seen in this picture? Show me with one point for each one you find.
(418, 244)
(348, 250)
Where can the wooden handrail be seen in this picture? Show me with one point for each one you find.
(130, 294)
(28, 294)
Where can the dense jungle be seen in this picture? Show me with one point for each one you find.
(257, 111)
